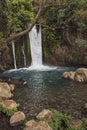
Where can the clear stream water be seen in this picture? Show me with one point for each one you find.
(47, 89)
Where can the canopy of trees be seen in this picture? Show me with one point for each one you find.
(64, 17)
(64, 26)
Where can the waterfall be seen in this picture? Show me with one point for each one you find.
(36, 46)
(23, 52)
(14, 57)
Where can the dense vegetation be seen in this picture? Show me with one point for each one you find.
(64, 24)
(65, 36)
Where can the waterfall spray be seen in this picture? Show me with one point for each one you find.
(36, 46)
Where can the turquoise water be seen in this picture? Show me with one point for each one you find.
(47, 89)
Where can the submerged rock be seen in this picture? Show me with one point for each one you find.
(33, 125)
(5, 91)
(17, 118)
(46, 114)
(10, 80)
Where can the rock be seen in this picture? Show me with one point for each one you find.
(10, 80)
(42, 125)
(19, 81)
(65, 75)
(17, 118)
(5, 91)
(31, 123)
(12, 87)
(81, 75)
(46, 113)
(10, 104)
(76, 124)
(69, 75)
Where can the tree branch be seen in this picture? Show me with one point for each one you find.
(30, 27)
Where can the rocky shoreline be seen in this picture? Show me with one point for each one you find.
(47, 119)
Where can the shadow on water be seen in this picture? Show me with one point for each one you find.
(47, 89)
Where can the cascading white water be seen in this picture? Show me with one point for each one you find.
(36, 46)
(36, 52)
(23, 52)
(14, 57)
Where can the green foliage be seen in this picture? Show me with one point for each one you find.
(20, 14)
(84, 123)
(81, 43)
(60, 121)
(15, 16)
(8, 112)
(68, 18)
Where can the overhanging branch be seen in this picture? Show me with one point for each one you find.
(30, 27)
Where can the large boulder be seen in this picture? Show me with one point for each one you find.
(81, 75)
(8, 104)
(5, 91)
(46, 114)
(33, 125)
(17, 118)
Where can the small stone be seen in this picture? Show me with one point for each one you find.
(17, 118)
(24, 83)
(46, 113)
(31, 123)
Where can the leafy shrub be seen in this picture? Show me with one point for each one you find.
(60, 121)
